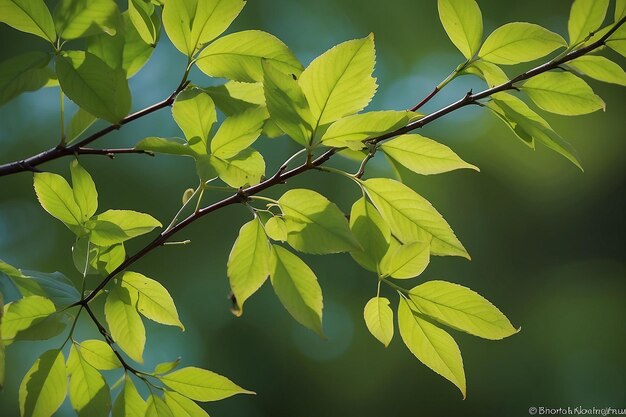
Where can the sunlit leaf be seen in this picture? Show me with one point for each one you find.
(406, 261)
(23, 314)
(56, 197)
(22, 73)
(156, 407)
(599, 68)
(30, 16)
(372, 233)
(80, 18)
(585, 17)
(166, 367)
(276, 229)
(116, 226)
(145, 20)
(463, 23)
(44, 386)
(201, 385)
(194, 112)
(98, 354)
(235, 97)
(351, 131)
(491, 73)
(245, 168)
(170, 146)
(89, 393)
(238, 132)
(183, 406)
(129, 403)
(84, 189)
(125, 323)
(379, 319)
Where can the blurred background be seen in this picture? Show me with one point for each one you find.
(547, 241)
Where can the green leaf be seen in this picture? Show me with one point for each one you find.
(145, 20)
(406, 261)
(246, 168)
(491, 73)
(276, 229)
(56, 197)
(22, 73)
(239, 56)
(339, 82)
(153, 300)
(93, 85)
(156, 407)
(125, 323)
(529, 126)
(411, 217)
(562, 93)
(193, 23)
(80, 122)
(620, 9)
(44, 386)
(423, 155)
(617, 41)
(461, 308)
(194, 112)
(102, 259)
(431, 345)
(129, 403)
(372, 233)
(463, 23)
(315, 224)
(379, 319)
(166, 367)
(30, 16)
(249, 261)
(297, 288)
(234, 97)
(135, 52)
(89, 393)
(238, 132)
(98, 354)
(585, 17)
(519, 42)
(202, 385)
(287, 105)
(166, 146)
(54, 286)
(84, 189)
(116, 226)
(80, 18)
(351, 131)
(23, 314)
(2, 347)
(599, 68)
(183, 406)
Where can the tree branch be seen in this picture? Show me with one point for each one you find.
(111, 152)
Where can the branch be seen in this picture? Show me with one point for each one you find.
(111, 152)
(282, 175)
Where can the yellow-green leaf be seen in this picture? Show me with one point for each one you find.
(372, 233)
(194, 112)
(98, 354)
(89, 393)
(156, 407)
(129, 403)
(406, 261)
(44, 386)
(379, 319)
(22, 73)
(276, 229)
(125, 323)
(463, 23)
(245, 168)
(30, 16)
(599, 68)
(201, 385)
(491, 73)
(238, 132)
(80, 18)
(56, 197)
(585, 17)
(183, 406)
(84, 189)
(116, 226)
(351, 131)
(23, 314)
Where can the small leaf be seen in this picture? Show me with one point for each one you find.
(153, 301)
(141, 14)
(30, 16)
(462, 309)
(194, 112)
(562, 93)
(491, 73)
(351, 131)
(156, 407)
(238, 132)
(585, 17)
(84, 189)
(183, 406)
(201, 385)
(245, 168)
(166, 367)
(423, 155)
(80, 18)
(617, 41)
(22, 73)
(519, 42)
(44, 386)
(372, 233)
(129, 403)
(56, 197)
(276, 229)
(463, 23)
(249, 261)
(297, 288)
(599, 68)
(165, 146)
(239, 56)
(125, 323)
(379, 319)
(89, 393)
(406, 261)
(80, 122)
(99, 355)
(116, 226)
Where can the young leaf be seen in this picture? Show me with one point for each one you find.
(315, 224)
(98, 354)
(463, 23)
(351, 131)
(238, 132)
(84, 189)
(30, 16)
(80, 18)
(276, 229)
(519, 42)
(234, 97)
(153, 300)
(183, 406)
(22, 73)
(201, 385)
(379, 319)
(89, 393)
(423, 155)
(297, 288)
(166, 367)
(372, 233)
(166, 146)
(56, 197)
(44, 386)
(287, 105)
(249, 261)
(431, 345)
(24, 314)
(562, 93)
(125, 323)
(239, 56)
(93, 85)
(116, 226)
(462, 309)
(599, 68)
(406, 261)
(129, 403)
(156, 407)
(194, 112)
(145, 20)
(339, 82)
(245, 168)
(585, 17)
(491, 73)
(80, 122)
(411, 217)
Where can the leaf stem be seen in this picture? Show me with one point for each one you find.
(62, 116)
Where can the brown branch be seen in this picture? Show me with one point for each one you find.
(112, 151)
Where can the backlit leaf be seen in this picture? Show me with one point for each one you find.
(585, 17)
(406, 261)
(30, 16)
(116, 226)
(238, 132)
(379, 319)
(351, 131)
(599, 68)
(128, 402)
(22, 73)
(80, 18)
(89, 393)
(372, 233)
(98, 354)
(23, 314)
(194, 112)
(56, 197)
(84, 189)
(183, 406)
(463, 23)
(201, 385)
(125, 323)
(156, 407)
(245, 168)
(44, 386)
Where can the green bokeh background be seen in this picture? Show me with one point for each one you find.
(547, 241)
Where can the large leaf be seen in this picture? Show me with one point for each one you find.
(519, 42)
(80, 18)
(30, 16)
(406, 261)
(462, 309)
(194, 112)
(411, 217)
(129, 403)
(89, 393)
(423, 155)
(372, 233)
(431, 345)
(339, 82)
(249, 261)
(238, 132)
(26, 72)
(351, 131)
(297, 288)
(585, 17)
(93, 85)
(56, 197)
(125, 323)
(379, 319)
(599, 68)
(84, 189)
(245, 168)
(315, 225)
(44, 386)
(562, 93)
(202, 385)
(116, 226)
(23, 314)
(239, 56)
(463, 23)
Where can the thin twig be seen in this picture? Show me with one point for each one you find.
(111, 152)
